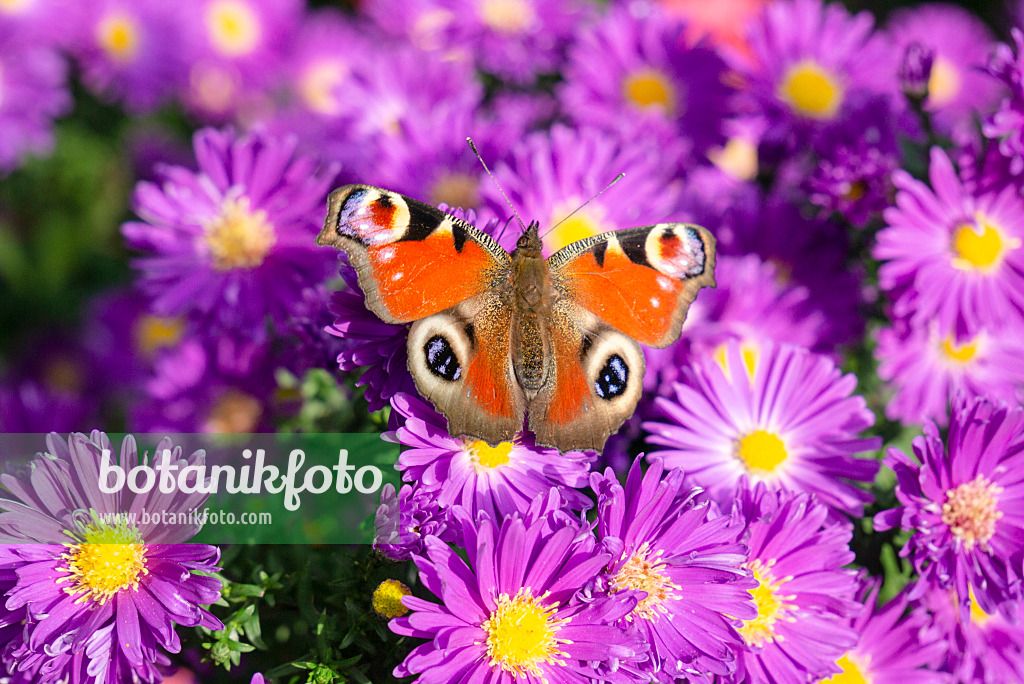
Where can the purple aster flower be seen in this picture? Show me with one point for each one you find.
(407, 517)
(927, 368)
(951, 255)
(45, 22)
(636, 72)
(34, 94)
(232, 243)
(803, 597)
(370, 343)
(112, 590)
(687, 561)
(775, 414)
(987, 648)
(957, 86)
(223, 385)
(810, 59)
(1006, 126)
(132, 51)
(961, 501)
(522, 609)
(236, 48)
(807, 252)
(498, 480)
(29, 406)
(551, 174)
(749, 305)
(895, 645)
(514, 39)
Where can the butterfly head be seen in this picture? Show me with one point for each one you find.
(529, 243)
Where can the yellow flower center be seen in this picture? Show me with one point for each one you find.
(748, 351)
(960, 353)
(771, 605)
(522, 634)
(738, 158)
(456, 190)
(762, 451)
(648, 88)
(387, 598)
(320, 86)
(233, 26)
(15, 6)
(943, 82)
(570, 228)
(508, 16)
(970, 511)
(854, 672)
(153, 333)
(811, 91)
(234, 413)
(239, 238)
(118, 35)
(980, 246)
(108, 559)
(978, 615)
(644, 571)
(486, 456)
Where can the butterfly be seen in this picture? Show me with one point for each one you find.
(497, 338)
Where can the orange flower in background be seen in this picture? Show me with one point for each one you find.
(725, 21)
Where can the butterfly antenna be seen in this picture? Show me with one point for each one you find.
(601, 192)
(472, 146)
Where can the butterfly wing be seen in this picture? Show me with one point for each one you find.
(460, 360)
(614, 290)
(412, 259)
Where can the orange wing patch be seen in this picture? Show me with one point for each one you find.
(417, 278)
(571, 391)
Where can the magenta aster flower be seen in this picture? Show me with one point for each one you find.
(551, 174)
(957, 85)
(132, 51)
(236, 49)
(636, 71)
(749, 305)
(34, 94)
(498, 480)
(987, 648)
(953, 256)
(926, 368)
(686, 560)
(522, 609)
(895, 646)
(810, 59)
(1005, 126)
(961, 499)
(803, 595)
(772, 413)
(47, 22)
(112, 591)
(232, 243)
(405, 519)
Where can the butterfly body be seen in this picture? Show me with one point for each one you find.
(499, 337)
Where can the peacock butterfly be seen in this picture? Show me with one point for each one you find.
(497, 337)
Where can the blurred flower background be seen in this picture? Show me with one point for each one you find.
(834, 449)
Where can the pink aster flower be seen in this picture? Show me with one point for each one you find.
(951, 255)
(957, 85)
(926, 368)
(688, 561)
(232, 243)
(100, 598)
(498, 480)
(961, 499)
(770, 413)
(522, 608)
(804, 596)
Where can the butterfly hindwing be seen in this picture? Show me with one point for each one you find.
(413, 260)
(460, 360)
(640, 281)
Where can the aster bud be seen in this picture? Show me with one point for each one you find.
(916, 70)
(387, 599)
